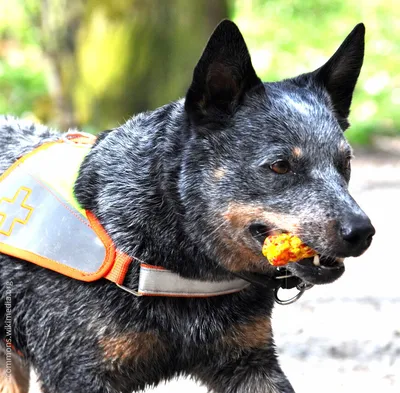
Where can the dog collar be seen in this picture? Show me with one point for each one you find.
(157, 281)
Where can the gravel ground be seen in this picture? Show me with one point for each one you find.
(345, 337)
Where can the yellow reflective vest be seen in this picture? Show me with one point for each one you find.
(42, 222)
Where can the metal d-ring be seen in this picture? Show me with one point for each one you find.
(302, 287)
(131, 291)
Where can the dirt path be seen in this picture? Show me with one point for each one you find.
(345, 337)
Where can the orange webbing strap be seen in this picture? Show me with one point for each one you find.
(120, 268)
(121, 261)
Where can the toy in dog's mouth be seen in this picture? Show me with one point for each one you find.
(284, 249)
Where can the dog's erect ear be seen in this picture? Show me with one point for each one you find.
(339, 75)
(221, 78)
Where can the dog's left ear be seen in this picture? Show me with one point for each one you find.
(339, 75)
(223, 75)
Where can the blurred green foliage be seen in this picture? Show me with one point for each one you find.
(289, 37)
(23, 86)
(104, 60)
(285, 37)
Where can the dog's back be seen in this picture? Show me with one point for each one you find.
(19, 137)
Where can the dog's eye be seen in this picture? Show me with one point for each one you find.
(280, 166)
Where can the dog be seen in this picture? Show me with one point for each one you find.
(194, 187)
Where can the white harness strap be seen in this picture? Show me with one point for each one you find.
(156, 281)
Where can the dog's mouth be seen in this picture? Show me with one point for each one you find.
(328, 270)
(320, 269)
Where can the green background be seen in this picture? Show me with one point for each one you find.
(93, 64)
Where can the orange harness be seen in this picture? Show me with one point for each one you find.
(41, 222)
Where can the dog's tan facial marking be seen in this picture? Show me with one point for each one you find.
(256, 333)
(240, 216)
(297, 152)
(238, 251)
(132, 347)
(237, 257)
(219, 173)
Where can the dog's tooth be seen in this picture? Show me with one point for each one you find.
(340, 260)
(316, 260)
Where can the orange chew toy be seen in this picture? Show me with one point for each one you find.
(284, 248)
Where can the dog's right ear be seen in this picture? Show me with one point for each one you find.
(340, 73)
(223, 75)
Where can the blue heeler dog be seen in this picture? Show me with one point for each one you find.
(195, 187)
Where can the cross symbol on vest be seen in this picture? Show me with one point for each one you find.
(15, 211)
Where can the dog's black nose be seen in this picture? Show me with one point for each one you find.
(357, 232)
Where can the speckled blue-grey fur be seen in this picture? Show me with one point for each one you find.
(183, 187)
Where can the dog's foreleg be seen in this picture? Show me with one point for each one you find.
(254, 372)
(243, 360)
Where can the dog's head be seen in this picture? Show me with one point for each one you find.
(269, 157)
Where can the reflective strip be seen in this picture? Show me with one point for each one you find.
(161, 282)
(57, 165)
(37, 220)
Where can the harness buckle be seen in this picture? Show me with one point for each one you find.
(302, 287)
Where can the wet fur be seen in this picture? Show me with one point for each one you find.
(152, 183)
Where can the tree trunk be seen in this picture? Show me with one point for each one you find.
(111, 59)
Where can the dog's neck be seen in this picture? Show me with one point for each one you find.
(130, 182)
